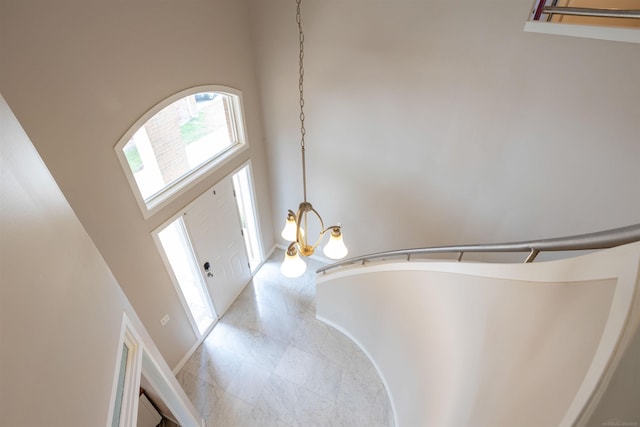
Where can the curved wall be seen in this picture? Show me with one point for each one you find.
(487, 344)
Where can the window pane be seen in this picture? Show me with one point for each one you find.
(117, 410)
(248, 217)
(179, 251)
(179, 139)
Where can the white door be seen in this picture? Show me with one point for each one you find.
(215, 232)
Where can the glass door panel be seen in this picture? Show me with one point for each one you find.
(179, 252)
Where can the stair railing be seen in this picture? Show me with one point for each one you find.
(550, 8)
(590, 241)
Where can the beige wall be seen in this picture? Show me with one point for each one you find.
(429, 122)
(60, 307)
(78, 74)
(442, 122)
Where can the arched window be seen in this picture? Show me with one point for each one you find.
(179, 141)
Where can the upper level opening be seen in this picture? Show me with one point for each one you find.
(617, 20)
(179, 141)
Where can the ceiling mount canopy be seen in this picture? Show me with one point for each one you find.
(296, 228)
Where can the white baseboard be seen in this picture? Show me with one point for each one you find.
(193, 349)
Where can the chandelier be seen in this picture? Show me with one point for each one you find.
(296, 229)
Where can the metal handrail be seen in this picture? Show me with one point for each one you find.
(599, 240)
(585, 11)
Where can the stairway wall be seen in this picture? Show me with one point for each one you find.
(491, 344)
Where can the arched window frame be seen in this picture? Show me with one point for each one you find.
(170, 192)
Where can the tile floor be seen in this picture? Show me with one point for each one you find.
(269, 362)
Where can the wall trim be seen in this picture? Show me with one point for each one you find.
(143, 362)
(133, 370)
(628, 35)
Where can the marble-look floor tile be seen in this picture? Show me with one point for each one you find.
(278, 399)
(313, 409)
(231, 411)
(279, 326)
(204, 396)
(267, 352)
(238, 340)
(219, 367)
(324, 378)
(269, 362)
(337, 348)
(248, 382)
(355, 393)
(347, 416)
(310, 335)
(295, 365)
(266, 418)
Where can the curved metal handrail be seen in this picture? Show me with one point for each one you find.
(598, 240)
(597, 12)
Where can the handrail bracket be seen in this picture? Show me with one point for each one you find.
(532, 255)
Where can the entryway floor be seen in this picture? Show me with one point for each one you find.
(270, 362)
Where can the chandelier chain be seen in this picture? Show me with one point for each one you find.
(296, 229)
(301, 92)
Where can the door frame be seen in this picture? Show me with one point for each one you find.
(176, 284)
(256, 210)
(144, 361)
(155, 232)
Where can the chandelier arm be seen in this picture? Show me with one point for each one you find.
(331, 228)
(300, 241)
(291, 248)
(321, 222)
(305, 237)
(301, 215)
(301, 238)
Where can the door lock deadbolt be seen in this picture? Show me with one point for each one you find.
(207, 268)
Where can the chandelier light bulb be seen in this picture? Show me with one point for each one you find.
(292, 266)
(289, 230)
(335, 248)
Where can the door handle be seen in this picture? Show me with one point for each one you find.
(207, 269)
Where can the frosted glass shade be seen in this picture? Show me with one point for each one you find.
(293, 265)
(289, 230)
(336, 248)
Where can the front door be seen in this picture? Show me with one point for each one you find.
(215, 232)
